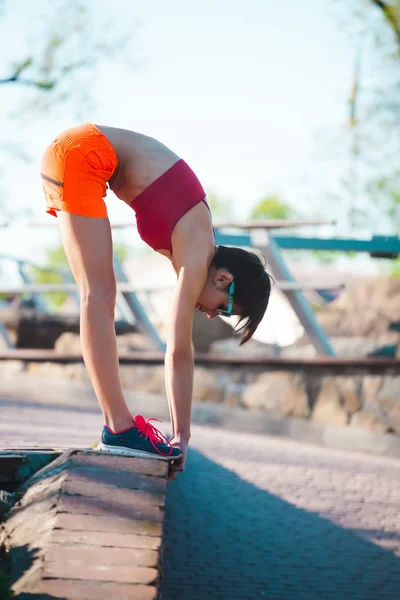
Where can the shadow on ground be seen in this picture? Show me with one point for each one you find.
(226, 539)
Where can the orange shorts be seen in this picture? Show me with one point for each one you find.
(75, 169)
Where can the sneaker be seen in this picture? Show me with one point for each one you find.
(143, 439)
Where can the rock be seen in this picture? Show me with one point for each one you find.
(257, 396)
(68, 343)
(206, 331)
(388, 398)
(233, 394)
(367, 308)
(71, 372)
(230, 347)
(328, 407)
(47, 369)
(156, 382)
(278, 392)
(143, 378)
(76, 372)
(134, 342)
(135, 376)
(370, 387)
(207, 386)
(390, 309)
(11, 367)
(349, 393)
(372, 418)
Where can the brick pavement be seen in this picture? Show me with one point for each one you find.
(253, 516)
(257, 517)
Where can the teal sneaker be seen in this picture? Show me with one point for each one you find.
(142, 439)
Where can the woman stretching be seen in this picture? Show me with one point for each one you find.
(174, 219)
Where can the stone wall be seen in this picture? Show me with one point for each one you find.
(363, 321)
(359, 400)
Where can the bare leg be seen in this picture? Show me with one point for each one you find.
(88, 246)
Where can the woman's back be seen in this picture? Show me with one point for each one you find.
(141, 160)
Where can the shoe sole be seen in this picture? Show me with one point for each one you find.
(129, 452)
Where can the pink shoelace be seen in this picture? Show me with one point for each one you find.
(152, 433)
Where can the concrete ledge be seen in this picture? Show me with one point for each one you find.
(88, 526)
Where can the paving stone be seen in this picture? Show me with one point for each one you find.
(105, 539)
(245, 518)
(120, 574)
(78, 483)
(130, 481)
(83, 590)
(126, 464)
(93, 506)
(114, 524)
(296, 522)
(92, 555)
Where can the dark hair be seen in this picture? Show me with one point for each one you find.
(252, 286)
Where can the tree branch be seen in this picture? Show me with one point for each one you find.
(43, 85)
(391, 17)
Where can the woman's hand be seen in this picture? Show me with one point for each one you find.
(178, 465)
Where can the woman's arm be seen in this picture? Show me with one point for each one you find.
(179, 356)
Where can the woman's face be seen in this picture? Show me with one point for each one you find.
(214, 295)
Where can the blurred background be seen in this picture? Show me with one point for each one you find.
(284, 110)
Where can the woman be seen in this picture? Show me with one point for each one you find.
(174, 219)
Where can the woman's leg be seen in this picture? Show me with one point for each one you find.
(88, 245)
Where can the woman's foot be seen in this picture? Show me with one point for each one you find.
(142, 439)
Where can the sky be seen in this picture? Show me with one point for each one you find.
(239, 90)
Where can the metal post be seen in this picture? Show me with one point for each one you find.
(6, 337)
(143, 323)
(265, 242)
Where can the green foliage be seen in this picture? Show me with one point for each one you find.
(5, 591)
(271, 207)
(325, 256)
(56, 258)
(385, 191)
(55, 299)
(394, 267)
(45, 85)
(328, 257)
(121, 250)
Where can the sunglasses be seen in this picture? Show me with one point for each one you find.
(228, 311)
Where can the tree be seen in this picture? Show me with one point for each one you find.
(271, 207)
(67, 40)
(62, 44)
(367, 191)
(391, 11)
